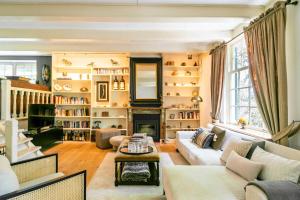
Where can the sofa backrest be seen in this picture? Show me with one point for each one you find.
(287, 152)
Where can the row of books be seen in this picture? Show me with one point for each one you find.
(59, 99)
(79, 112)
(188, 115)
(74, 124)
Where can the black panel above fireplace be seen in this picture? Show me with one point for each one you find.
(147, 123)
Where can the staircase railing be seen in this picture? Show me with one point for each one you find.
(15, 100)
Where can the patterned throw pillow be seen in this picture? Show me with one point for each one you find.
(208, 141)
(241, 147)
(203, 137)
(196, 134)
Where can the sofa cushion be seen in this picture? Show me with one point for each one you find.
(241, 147)
(247, 169)
(276, 167)
(218, 139)
(40, 180)
(8, 181)
(198, 156)
(202, 182)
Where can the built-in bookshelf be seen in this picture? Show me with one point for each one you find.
(75, 77)
(181, 75)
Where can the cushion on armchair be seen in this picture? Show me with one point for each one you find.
(11, 182)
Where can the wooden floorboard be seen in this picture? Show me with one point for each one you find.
(77, 156)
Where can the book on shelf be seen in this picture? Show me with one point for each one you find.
(59, 99)
(74, 124)
(104, 71)
(80, 112)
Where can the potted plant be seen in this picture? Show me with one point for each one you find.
(242, 122)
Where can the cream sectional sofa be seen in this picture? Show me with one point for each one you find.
(208, 178)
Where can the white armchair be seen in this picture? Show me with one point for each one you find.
(38, 178)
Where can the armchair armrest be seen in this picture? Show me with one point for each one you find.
(34, 168)
(254, 193)
(67, 187)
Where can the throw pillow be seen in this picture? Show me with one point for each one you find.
(11, 182)
(239, 146)
(208, 141)
(218, 139)
(255, 144)
(247, 169)
(202, 137)
(276, 167)
(196, 134)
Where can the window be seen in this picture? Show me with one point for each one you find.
(241, 101)
(25, 68)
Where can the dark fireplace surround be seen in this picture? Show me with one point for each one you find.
(147, 123)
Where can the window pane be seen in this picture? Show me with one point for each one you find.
(243, 97)
(244, 78)
(233, 80)
(255, 119)
(6, 69)
(233, 114)
(233, 97)
(244, 112)
(252, 98)
(26, 69)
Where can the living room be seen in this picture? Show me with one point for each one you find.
(139, 99)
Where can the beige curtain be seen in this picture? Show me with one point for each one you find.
(265, 39)
(218, 57)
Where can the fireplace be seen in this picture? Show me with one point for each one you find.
(147, 123)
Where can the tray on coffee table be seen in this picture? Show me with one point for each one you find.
(125, 150)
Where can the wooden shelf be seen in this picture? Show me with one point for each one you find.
(112, 67)
(178, 129)
(71, 92)
(109, 117)
(183, 86)
(179, 76)
(119, 90)
(110, 74)
(72, 104)
(183, 109)
(101, 107)
(77, 129)
(72, 116)
(178, 96)
(72, 80)
(183, 119)
(181, 67)
(73, 68)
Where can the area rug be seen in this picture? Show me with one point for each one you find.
(102, 184)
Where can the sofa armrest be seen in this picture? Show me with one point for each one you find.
(67, 187)
(185, 134)
(34, 168)
(254, 193)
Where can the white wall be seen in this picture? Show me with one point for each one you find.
(205, 106)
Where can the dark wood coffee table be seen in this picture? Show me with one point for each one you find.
(151, 158)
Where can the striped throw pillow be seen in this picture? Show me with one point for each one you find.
(196, 134)
(201, 139)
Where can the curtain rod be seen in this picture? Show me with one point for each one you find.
(288, 2)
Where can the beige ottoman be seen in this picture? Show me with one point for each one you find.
(116, 141)
(103, 135)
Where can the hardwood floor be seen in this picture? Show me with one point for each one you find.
(77, 156)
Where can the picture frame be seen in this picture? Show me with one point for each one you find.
(102, 93)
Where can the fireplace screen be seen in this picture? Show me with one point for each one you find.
(147, 123)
